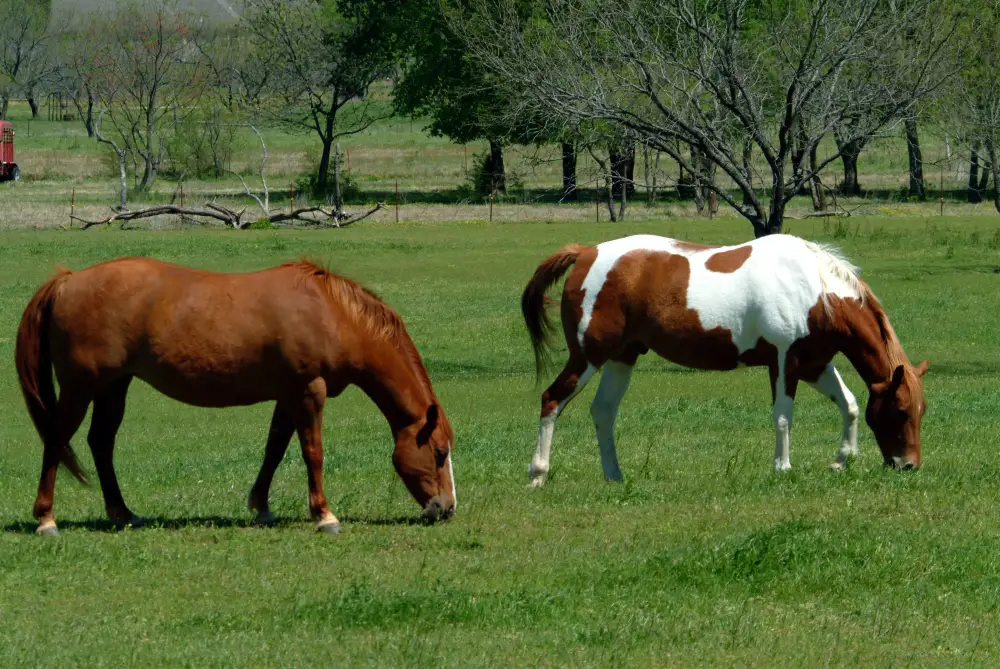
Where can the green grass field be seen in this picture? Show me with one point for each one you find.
(703, 557)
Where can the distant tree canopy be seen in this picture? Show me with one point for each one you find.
(739, 94)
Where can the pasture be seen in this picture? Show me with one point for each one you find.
(703, 557)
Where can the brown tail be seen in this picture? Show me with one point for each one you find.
(34, 369)
(533, 300)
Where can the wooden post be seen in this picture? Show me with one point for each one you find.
(348, 151)
(72, 205)
(465, 159)
(491, 202)
(182, 195)
(711, 204)
(835, 186)
(597, 201)
(397, 200)
(29, 127)
(291, 198)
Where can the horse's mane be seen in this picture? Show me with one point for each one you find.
(833, 264)
(368, 310)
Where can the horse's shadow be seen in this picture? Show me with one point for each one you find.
(213, 522)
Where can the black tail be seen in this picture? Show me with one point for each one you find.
(533, 301)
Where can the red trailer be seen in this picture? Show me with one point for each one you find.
(9, 170)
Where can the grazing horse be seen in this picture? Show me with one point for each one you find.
(779, 302)
(296, 334)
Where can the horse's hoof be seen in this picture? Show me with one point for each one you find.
(838, 466)
(328, 526)
(537, 481)
(265, 519)
(48, 529)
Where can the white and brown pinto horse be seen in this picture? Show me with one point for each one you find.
(779, 302)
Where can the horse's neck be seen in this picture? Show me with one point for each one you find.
(863, 343)
(388, 376)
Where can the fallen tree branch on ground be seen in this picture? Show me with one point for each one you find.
(317, 217)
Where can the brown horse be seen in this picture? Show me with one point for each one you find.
(778, 302)
(296, 334)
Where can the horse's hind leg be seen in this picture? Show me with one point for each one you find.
(570, 381)
(109, 410)
(832, 385)
(278, 438)
(604, 410)
(71, 408)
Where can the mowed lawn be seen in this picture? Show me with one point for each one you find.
(703, 557)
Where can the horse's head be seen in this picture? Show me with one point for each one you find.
(423, 460)
(895, 409)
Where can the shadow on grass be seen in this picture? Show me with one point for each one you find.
(217, 522)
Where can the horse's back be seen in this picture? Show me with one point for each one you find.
(201, 337)
(698, 305)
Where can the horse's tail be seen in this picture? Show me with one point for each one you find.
(533, 301)
(34, 369)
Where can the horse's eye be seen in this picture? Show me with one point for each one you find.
(440, 455)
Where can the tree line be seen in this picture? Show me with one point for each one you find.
(738, 94)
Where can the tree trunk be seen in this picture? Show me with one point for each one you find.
(916, 159)
(991, 151)
(974, 194)
(123, 194)
(649, 175)
(622, 158)
(747, 169)
(815, 185)
(496, 172)
(338, 204)
(4, 101)
(34, 107)
(776, 215)
(323, 174)
(849, 157)
(569, 171)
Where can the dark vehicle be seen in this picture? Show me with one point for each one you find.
(9, 171)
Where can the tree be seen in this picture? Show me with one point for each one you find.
(144, 71)
(716, 74)
(980, 95)
(322, 56)
(26, 57)
(440, 81)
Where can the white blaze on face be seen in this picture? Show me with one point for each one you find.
(451, 475)
(608, 255)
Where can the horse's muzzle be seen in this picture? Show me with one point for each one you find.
(902, 464)
(438, 509)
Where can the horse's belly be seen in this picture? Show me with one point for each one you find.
(211, 390)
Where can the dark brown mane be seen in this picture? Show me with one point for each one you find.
(381, 320)
(893, 349)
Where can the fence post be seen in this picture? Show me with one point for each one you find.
(348, 151)
(291, 198)
(397, 200)
(72, 205)
(941, 186)
(491, 202)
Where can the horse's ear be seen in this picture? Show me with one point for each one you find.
(922, 367)
(429, 426)
(897, 377)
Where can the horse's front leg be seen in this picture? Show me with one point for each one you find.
(830, 384)
(308, 419)
(783, 393)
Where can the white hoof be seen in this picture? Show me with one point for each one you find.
(782, 467)
(47, 529)
(838, 466)
(328, 526)
(538, 481)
